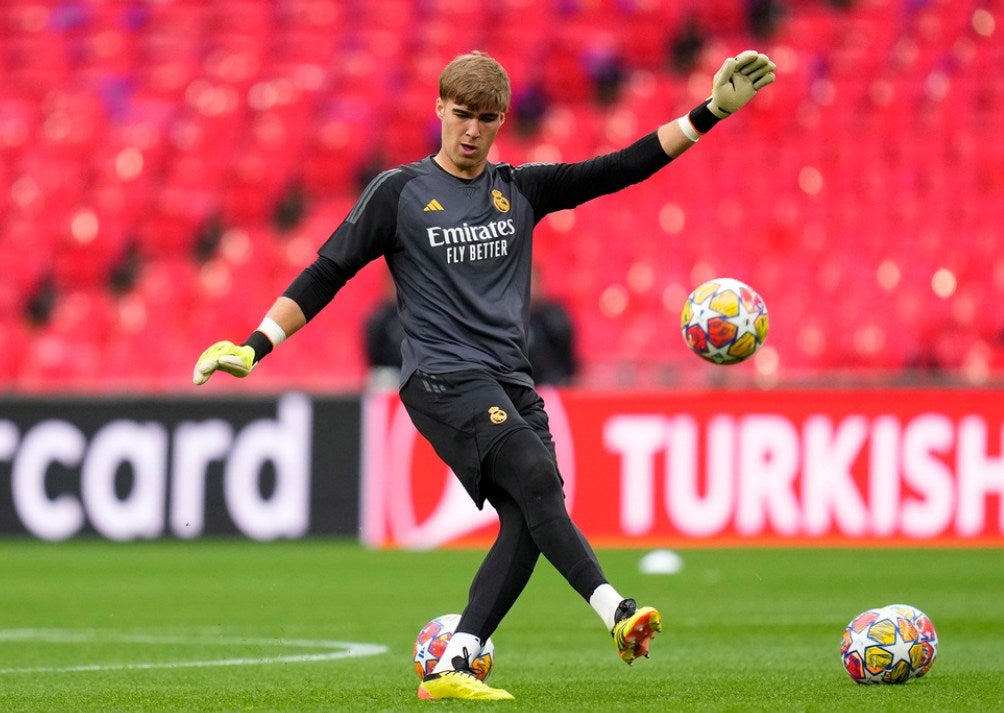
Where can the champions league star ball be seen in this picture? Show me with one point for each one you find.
(882, 646)
(928, 636)
(432, 641)
(724, 321)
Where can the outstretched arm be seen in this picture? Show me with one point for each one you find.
(287, 314)
(283, 318)
(348, 249)
(558, 186)
(733, 86)
(304, 298)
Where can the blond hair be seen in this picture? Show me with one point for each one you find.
(476, 81)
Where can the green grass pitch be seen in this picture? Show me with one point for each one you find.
(241, 626)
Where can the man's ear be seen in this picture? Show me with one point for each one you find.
(440, 108)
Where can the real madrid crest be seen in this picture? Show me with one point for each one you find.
(500, 201)
(497, 415)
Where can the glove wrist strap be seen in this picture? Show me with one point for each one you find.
(702, 118)
(260, 343)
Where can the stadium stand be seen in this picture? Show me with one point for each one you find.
(166, 168)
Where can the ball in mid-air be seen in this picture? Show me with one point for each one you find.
(882, 646)
(431, 643)
(724, 321)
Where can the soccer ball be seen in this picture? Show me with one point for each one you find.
(432, 641)
(928, 636)
(724, 321)
(882, 646)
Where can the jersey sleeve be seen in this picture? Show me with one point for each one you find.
(558, 186)
(316, 286)
(366, 233)
(368, 230)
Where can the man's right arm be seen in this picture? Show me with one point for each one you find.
(308, 294)
(363, 236)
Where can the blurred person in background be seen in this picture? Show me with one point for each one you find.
(456, 231)
(551, 338)
(383, 336)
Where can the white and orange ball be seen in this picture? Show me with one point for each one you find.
(431, 643)
(724, 321)
(883, 645)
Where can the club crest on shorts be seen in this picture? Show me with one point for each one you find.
(497, 415)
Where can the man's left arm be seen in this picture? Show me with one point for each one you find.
(733, 86)
(551, 187)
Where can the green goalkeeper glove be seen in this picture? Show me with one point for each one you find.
(224, 356)
(738, 80)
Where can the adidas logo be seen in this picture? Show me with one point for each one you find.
(433, 205)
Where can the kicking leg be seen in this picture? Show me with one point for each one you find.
(523, 467)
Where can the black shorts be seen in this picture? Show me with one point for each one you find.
(464, 414)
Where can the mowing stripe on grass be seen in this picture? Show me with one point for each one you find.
(330, 650)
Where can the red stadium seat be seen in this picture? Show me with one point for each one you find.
(152, 120)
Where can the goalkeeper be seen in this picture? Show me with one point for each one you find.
(456, 232)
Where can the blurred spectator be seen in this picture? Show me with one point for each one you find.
(208, 237)
(382, 337)
(685, 47)
(529, 106)
(605, 69)
(290, 208)
(763, 17)
(125, 271)
(41, 302)
(551, 340)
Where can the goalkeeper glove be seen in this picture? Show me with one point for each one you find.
(739, 78)
(224, 356)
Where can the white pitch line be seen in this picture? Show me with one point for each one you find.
(337, 650)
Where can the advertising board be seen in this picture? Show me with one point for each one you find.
(724, 467)
(265, 468)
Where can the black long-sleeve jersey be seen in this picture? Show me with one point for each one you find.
(460, 252)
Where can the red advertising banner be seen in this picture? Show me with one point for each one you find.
(852, 467)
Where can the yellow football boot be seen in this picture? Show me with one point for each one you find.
(634, 629)
(459, 684)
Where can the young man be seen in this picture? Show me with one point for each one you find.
(456, 232)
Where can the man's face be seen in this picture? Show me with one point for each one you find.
(467, 137)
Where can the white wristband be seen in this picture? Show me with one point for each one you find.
(271, 329)
(688, 129)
